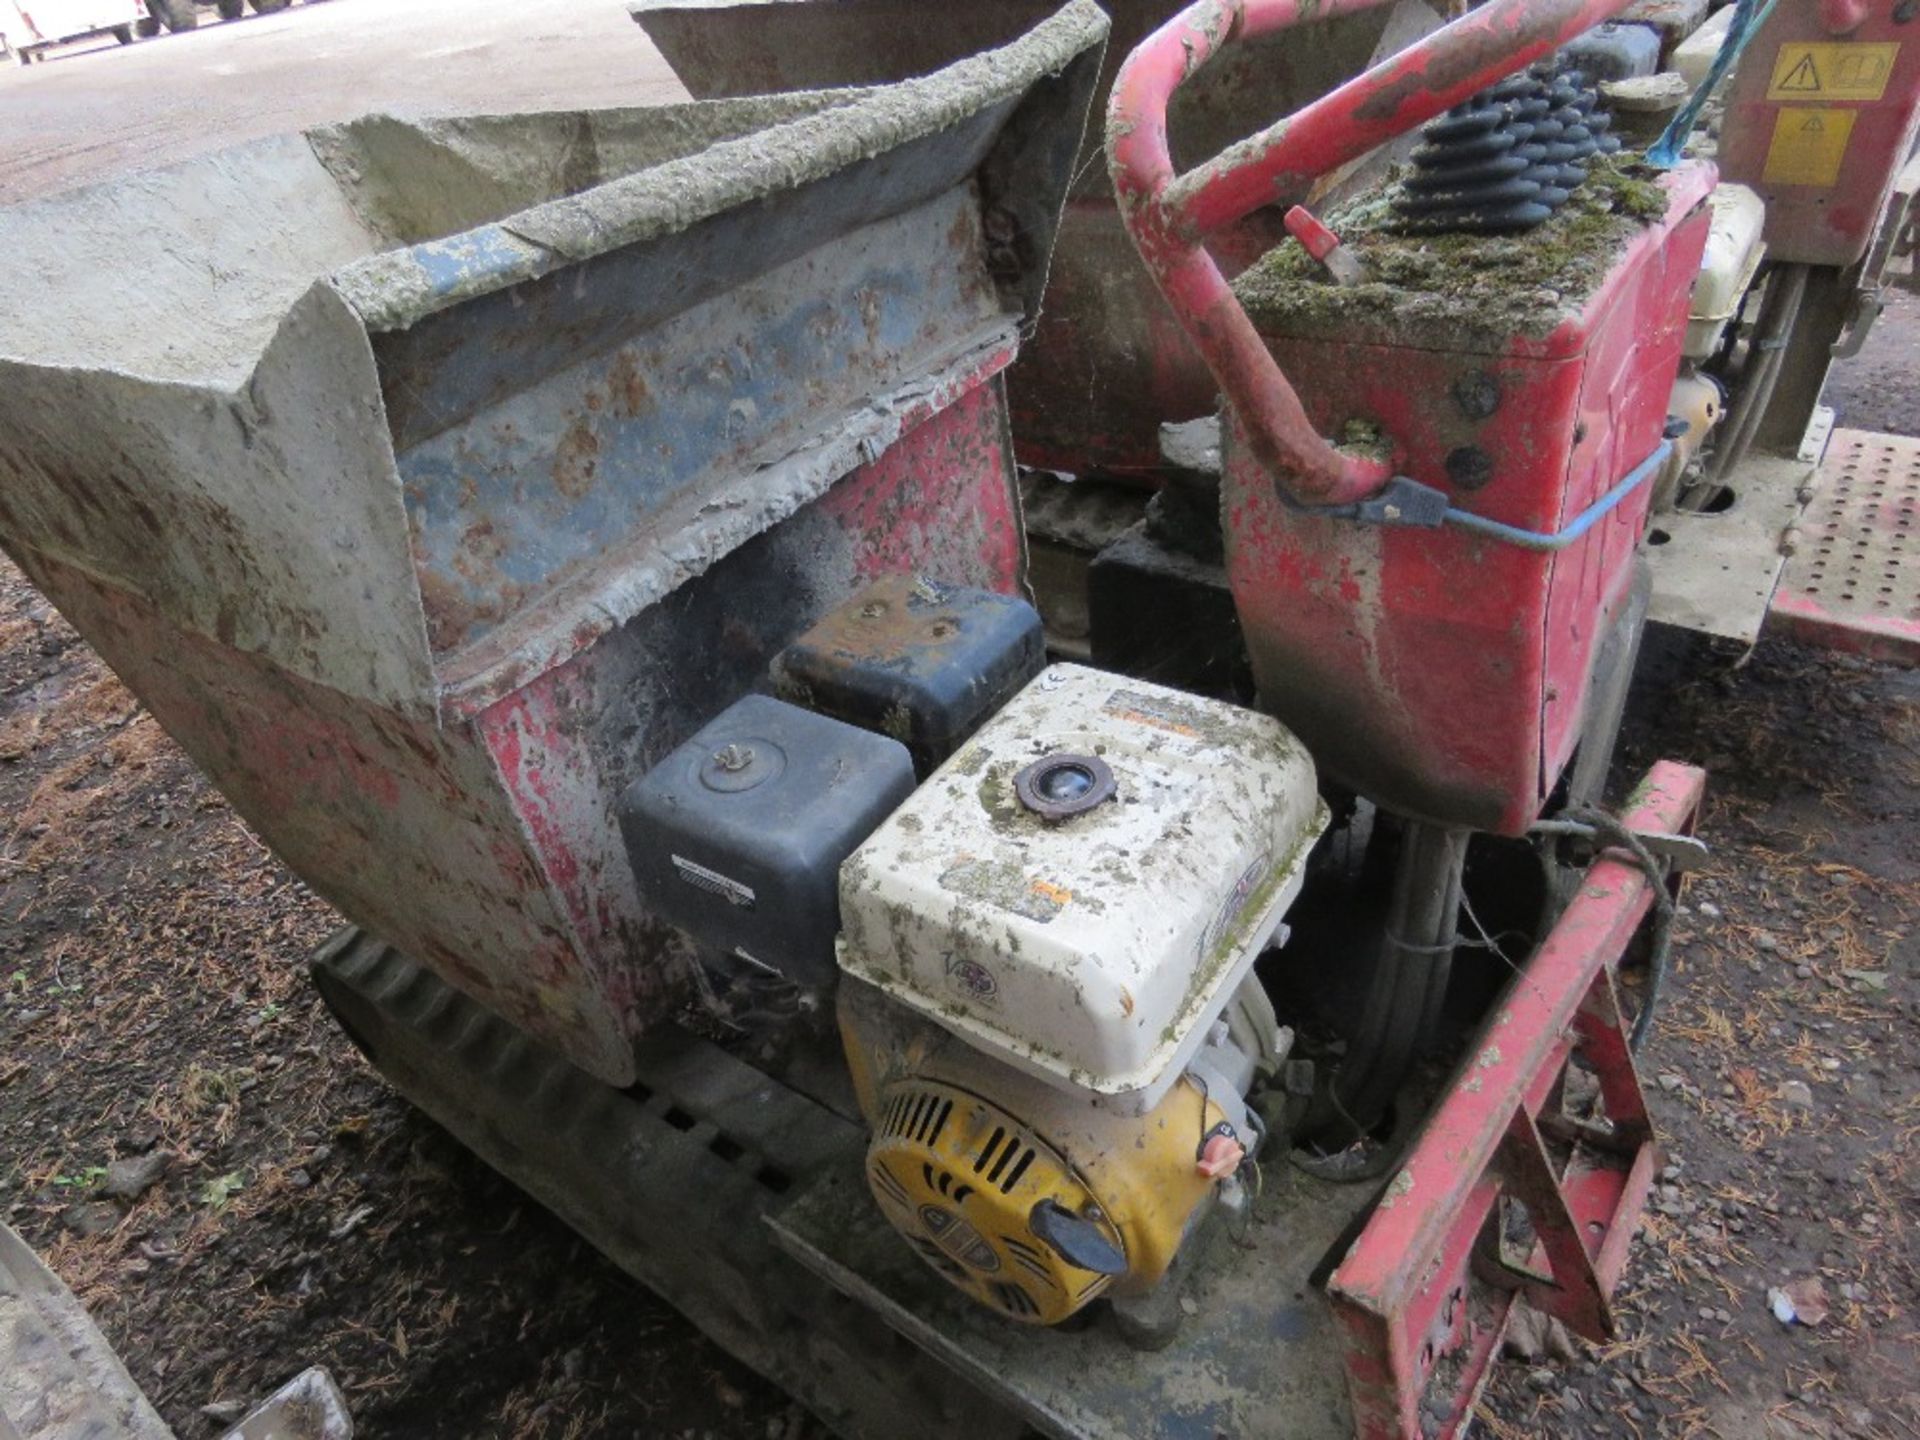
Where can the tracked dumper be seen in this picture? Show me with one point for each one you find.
(594, 550)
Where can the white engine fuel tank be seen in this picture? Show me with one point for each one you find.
(1734, 251)
(1079, 890)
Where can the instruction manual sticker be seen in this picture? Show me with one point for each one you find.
(1832, 70)
(1808, 146)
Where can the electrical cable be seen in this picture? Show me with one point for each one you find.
(1661, 941)
(1748, 17)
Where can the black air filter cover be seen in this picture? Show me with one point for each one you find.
(737, 836)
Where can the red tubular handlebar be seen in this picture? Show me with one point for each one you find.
(1170, 216)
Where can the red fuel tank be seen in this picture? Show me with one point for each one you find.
(1444, 672)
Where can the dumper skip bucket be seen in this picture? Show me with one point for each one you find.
(429, 480)
(1108, 362)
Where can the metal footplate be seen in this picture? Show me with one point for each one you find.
(1258, 1356)
(729, 1193)
(1715, 571)
(1854, 582)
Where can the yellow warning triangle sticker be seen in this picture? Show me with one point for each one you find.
(1802, 77)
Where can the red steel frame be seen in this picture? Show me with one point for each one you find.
(1172, 216)
(1422, 1299)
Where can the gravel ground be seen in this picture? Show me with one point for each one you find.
(279, 1206)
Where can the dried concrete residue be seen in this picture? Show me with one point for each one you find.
(421, 179)
(392, 291)
(1401, 1187)
(55, 1355)
(1463, 288)
(179, 275)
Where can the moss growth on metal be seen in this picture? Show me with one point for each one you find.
(1364, 439)
(1462, 286)
(897, 722)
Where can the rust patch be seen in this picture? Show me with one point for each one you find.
(449, 613)
(900, 614)
(576, 461)
(630, 392)
(481, 547)
(960, 232)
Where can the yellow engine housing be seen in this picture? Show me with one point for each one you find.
(960, 1174)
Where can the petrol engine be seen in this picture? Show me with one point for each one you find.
(1043, 967)
(1047, 991)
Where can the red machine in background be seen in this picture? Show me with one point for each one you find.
(1820, 123)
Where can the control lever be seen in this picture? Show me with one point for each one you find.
(1076, 1240)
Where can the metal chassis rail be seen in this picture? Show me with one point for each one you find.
(735, 1198)
(1424, 1295)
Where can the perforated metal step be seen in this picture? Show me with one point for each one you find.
(1854, 580)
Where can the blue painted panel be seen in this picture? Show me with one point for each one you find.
(535, 488)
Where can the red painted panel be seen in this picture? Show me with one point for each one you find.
(1820, 117)
(1438, 672)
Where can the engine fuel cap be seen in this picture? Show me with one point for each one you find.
(741, 765)
(1060, 786)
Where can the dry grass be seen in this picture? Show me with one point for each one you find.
(119, 744)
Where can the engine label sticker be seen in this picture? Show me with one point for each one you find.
(1004, 885)
(1830, 70)
(1154, 710)
(1236, 903)
(1808, 147)
(714, 883)
(974, 978)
